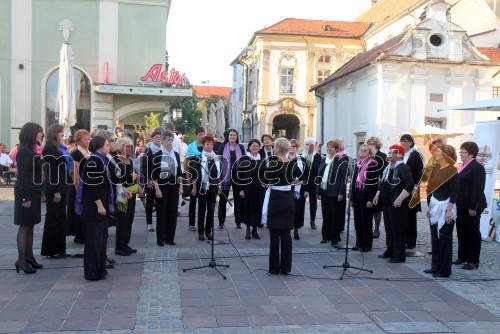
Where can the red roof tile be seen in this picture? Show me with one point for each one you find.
(492, 53)
(291, 26)
(362, 60)
(205, 92)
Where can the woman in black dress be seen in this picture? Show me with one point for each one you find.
(76, 225)
(230, 152)
(95, 201)
(206, 181)
(414, 160)
(363, 189)
(126, 204)
(267, 150)
(381, 159)
(312, 158)
(470, 206)
(167, 178)
(28, 194)
(278, 178)
(57, 164)
(333, 171)
(442, 211)
(299, 191)
(251, 191)
(394, 193)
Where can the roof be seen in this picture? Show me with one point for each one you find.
(492, 53)
(302, 27)
(205, 92)
(387, 8)
(362, 60)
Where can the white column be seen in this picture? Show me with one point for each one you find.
(418, 98)
(21, 47)
(454, 96)
(108, 39)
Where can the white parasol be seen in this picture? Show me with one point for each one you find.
(221, 119)
(233, 111)
(204, 119)
(66, 99)
(212, 121)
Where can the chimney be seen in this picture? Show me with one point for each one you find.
(326, 27)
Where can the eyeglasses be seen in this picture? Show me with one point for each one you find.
(463, 152)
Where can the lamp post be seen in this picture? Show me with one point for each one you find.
(177, 112)
(185, 125)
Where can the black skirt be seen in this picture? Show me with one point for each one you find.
(28, 216)
(280, 210)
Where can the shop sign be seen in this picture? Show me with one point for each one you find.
(172, 77)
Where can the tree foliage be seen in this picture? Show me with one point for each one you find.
(151, 122)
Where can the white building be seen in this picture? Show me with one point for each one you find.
(401, 83)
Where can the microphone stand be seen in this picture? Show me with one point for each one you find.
(346, 265)
(212, 264)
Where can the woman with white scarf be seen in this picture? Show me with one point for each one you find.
(442, 211)
(166, 176)
(251, 190)
(394, 193)
(333, 171)
(206, 181)
(299, 198)
(152, 148)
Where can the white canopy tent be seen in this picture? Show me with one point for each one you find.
(483, 105)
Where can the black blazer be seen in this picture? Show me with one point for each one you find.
(196, 171)
(54, 169)
(337, 178)
(262, 154)
(29, 174)
(311, 183)
(381, 159)
(155, 160)
(402, 180)
(416, 164)
(371, 185)
(471, 182)
(302, 175)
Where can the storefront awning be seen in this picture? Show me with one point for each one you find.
(169, 94)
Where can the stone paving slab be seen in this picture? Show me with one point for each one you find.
(149, 292)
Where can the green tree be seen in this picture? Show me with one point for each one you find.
(151, 122)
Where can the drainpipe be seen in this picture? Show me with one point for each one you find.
(322, 118)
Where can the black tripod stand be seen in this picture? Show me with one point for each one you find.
(212, 264)
(346, 264)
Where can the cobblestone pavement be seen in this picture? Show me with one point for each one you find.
(150, 293)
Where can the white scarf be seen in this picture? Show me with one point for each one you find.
(120, 194)
(326, 173)
(168, 163)
(300, 165)
(385, 174)
(205, 177)
(252, 157)
(86, 153)
(438, 212)
(407, 154)
(154, 149)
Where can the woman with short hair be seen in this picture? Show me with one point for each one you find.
(267, 150)
(206, 180)
(333, 171)
(57, 165)
(230, 152)
(28, 194)
(470, 205)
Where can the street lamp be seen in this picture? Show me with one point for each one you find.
(177, 112)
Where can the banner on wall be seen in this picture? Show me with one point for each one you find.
(487, 137)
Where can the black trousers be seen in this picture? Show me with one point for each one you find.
(150, 203)
(94, 254)
(166, 214)
(300, 208)
(363, 223)
(469, 236)
(237, 200)
(54, 228)
(411, 229)
(192, 207)
(206, 205)
(333, 218)
(395, 229)
(442, 248)
(280, 263)
(124, 226)
(313, 205)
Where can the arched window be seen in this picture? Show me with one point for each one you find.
(83, 99)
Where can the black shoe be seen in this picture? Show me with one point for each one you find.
(123, 252)
(296, 237)
(273, 272)
(284, 272)
(410, 246)
(364, 250)
(396, 261)
(355, 248)
(334, 244)
(438, 275)
(171, 243)
(429, 271)
(209, 237)
(110, 260)
(35, 264)
(221, 226)
(376, 236)
(470, 266)
(313, 225)
(322, 242)
(458, 261)
(383, 256)
(27, 269)
(129, 249)
(256, 235)
(201, 237)
(238, 226)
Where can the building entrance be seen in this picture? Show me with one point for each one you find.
(287, 126)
